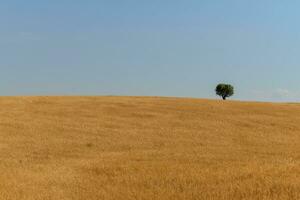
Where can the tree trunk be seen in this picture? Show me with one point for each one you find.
(224, 98)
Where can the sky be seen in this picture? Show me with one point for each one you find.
(151, 48)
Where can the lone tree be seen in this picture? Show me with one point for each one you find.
(224, 90)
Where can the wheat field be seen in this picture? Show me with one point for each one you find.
(93, 148)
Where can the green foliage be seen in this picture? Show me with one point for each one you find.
(224, 90)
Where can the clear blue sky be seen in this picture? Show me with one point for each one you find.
(142, 47)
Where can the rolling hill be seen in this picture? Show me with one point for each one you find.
(91, 148)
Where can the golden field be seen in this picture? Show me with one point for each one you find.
(93, 148)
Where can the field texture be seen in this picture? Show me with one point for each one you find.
(121, 148)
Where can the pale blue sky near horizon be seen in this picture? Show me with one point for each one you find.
(151, 48)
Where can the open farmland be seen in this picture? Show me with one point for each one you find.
(143, 148)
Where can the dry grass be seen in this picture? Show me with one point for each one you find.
(93, 148)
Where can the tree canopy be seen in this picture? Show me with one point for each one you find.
(224, 90)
